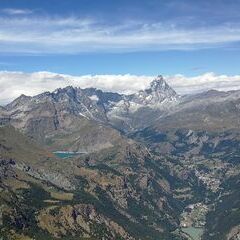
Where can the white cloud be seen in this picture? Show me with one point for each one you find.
(13, 84)
(42, 35)
(207, 81)
(16, 11)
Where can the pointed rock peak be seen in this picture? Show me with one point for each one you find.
(159, 84)
(18, 101)
(22, 97)
(69, 91)
(65, 89)
(70, 88)
(158, 92)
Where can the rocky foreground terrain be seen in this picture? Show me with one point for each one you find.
(153, 165)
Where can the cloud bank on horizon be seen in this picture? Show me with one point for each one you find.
(13, 84)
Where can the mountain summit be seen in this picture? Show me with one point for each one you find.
(158, 93)
(159, 85)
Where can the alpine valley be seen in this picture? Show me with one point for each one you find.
(86, 164)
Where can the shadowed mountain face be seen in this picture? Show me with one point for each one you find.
(155, 164)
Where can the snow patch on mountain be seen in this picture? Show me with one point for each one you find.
(94, 98)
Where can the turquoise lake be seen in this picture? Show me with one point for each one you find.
(61, 154)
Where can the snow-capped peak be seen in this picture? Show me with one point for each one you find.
(158, 92)
(158, 82)
(160, 85)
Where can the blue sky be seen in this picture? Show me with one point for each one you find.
(144, 37)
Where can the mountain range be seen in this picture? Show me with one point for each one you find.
(149, 165)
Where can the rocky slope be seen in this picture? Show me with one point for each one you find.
(41, 201)
(117, 193)
(62, 120)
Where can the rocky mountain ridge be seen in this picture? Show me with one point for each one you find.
(124, 112)
(90, 103)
